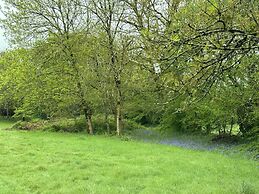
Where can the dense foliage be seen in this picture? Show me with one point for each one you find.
(90, 58)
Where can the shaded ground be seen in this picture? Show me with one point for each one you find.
(5, 124)
(192, 144)
(195, 142)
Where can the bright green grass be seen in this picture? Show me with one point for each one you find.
(38, 162)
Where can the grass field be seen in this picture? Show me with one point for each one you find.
(38, 162)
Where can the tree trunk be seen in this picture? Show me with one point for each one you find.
(90, 124)
(118, 107)
(88, 117)
(117, 80)
(119, 119)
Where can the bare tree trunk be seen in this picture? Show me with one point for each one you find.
(119, 119)
(90, 124)
(88, 117)
(118, 108)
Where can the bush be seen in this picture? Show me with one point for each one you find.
(63, 124)
(75, 125)
(66, 125)
(28, 126)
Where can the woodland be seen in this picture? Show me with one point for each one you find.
(188, 66)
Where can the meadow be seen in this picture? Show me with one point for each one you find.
(45, 162)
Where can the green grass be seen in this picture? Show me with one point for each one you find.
(44, 162)
(5, 124)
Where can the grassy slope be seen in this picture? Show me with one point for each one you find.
(37, 162)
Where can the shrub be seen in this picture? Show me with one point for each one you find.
(75, 125)
(32, 125)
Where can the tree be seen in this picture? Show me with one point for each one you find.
(198, 40)
(56, 21)
(110, 14)
(218, 42)
(15, 66)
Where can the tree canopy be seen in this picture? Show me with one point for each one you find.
(88, 57)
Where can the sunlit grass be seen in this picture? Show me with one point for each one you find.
(37, 162)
